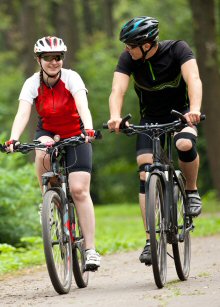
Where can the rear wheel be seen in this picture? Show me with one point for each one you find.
(181, 248)
(78, 253)
(57, 244)
(155, 221)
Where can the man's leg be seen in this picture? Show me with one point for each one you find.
(142, 160)
(189, 164)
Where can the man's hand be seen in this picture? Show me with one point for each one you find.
(193, 117)
(114, 124)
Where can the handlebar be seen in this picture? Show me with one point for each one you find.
(175, 125)
(72, 141)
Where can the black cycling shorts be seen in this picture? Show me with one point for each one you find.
(144, 142)
(78, 158)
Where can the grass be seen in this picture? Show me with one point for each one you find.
(119, 227)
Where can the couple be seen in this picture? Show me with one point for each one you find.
(165, 77)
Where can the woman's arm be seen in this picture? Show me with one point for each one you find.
(83, 109)
(21, 119)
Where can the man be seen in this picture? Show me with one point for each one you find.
(165, 77)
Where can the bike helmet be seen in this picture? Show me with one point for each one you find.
(49, 44)
(139, 30)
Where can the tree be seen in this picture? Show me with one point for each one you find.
(205, 32)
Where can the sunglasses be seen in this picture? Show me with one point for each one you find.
(50, 58)
(130, 47)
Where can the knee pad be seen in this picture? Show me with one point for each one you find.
(142, 167)
(142, 186)
(142, 182)
(189, 155)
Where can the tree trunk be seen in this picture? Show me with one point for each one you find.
(87, 18)
(206, 45)
(66, 26)
(108, 17)
(26, 53)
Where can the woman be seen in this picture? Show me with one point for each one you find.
(60, 98)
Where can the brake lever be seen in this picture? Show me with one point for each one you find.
(124, 120)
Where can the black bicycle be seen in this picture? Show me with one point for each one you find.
(167, 210)
(62, 237)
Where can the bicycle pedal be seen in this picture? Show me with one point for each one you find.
(91, 268)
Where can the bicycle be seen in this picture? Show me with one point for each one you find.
(62, 236)
(167, 211)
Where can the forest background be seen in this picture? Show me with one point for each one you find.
(90, 29)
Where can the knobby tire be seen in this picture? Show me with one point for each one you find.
(78, 256)
(181, 250)
(57, 244)
(155, 220)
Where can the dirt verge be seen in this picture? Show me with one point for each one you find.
(123, 281)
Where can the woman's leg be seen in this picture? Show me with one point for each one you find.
(42, 161)
(79, 183)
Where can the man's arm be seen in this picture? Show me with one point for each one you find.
(119, 87)
(190, 73)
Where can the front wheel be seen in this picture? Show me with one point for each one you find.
(156, 221)
(57, 244)
(181, 248)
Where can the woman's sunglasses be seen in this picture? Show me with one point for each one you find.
(49, 58)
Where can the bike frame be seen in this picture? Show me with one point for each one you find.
(57, 161)
(169, 178)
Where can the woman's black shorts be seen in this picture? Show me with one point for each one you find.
(78, 158)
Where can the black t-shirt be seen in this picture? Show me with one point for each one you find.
(158, 81)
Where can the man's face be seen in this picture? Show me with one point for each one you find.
(135, 51)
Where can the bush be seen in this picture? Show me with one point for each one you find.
(19, 194)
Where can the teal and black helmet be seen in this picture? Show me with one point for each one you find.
(139, 30)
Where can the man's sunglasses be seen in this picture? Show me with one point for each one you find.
(130, 47)
(49, 58)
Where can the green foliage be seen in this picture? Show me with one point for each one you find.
(12, 259)
(10, 82)
(19, 195)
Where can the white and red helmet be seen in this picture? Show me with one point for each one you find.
(49, 44)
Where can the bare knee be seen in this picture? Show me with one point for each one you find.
(184, 144)
(78, 192)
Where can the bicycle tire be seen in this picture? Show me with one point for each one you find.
(155, 220)
(78, 255)
(57, 244)
(181, 250)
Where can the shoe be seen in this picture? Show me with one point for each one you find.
(40, 213)
(194, 204)
(145, 256)
(93, 259)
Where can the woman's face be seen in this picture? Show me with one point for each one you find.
(51, 62)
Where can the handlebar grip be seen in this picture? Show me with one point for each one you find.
(105, 126)
(2, 148)
(202, 117)
(98, 134)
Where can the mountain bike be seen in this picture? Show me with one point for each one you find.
(62, 236)
(167, 212)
